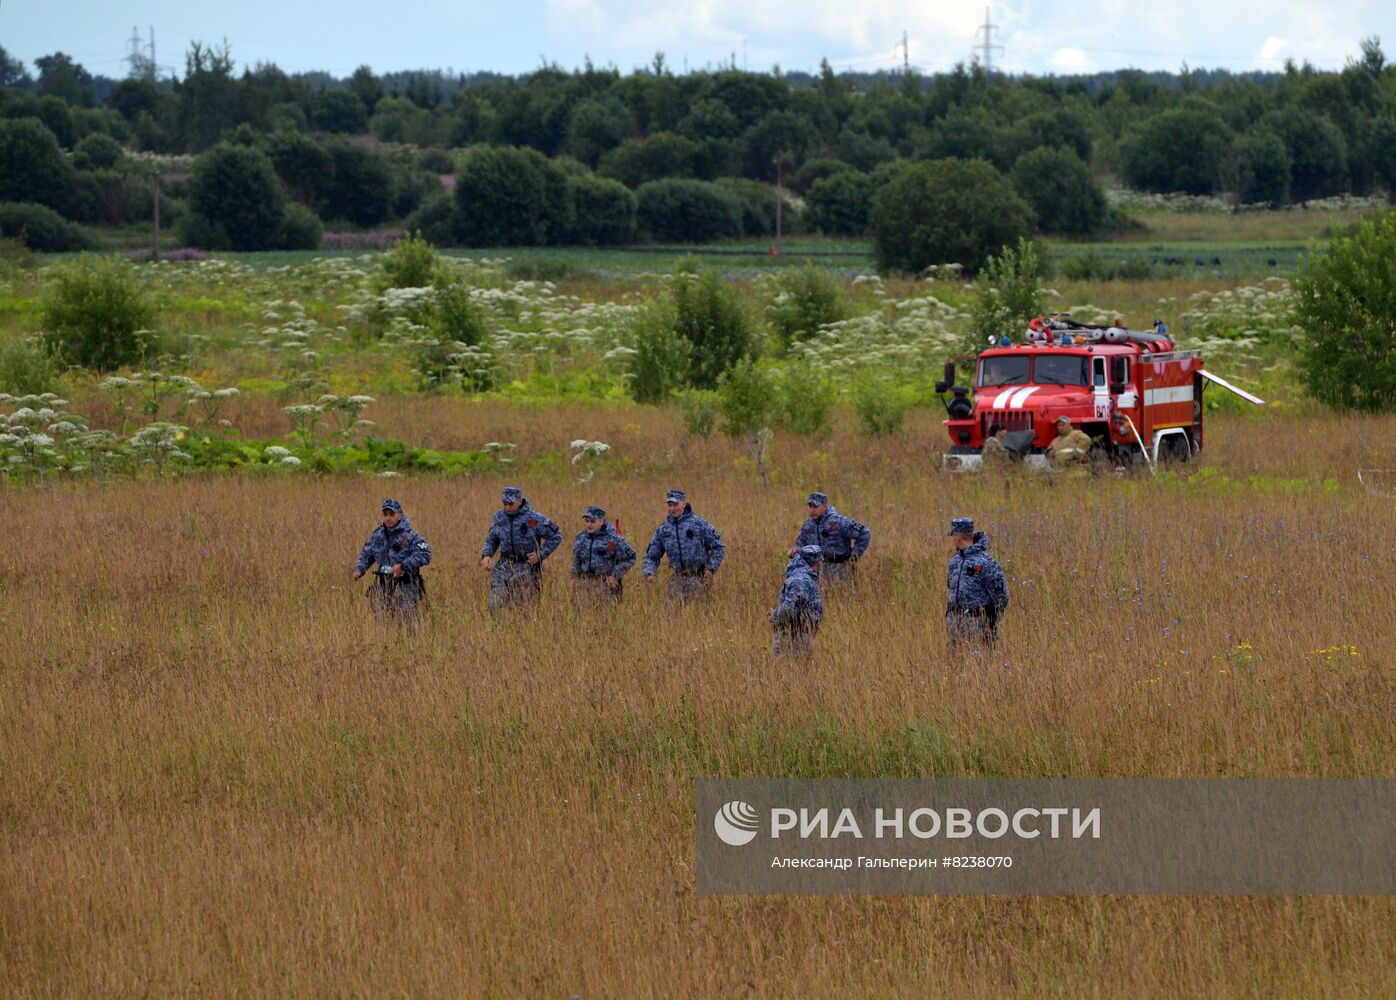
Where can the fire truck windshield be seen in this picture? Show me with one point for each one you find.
(1062, 369)
(1006, 370)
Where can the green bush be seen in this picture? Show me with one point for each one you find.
(881, 406)
(660, 364)
(699, 409)
(1258, 168)
(301, 228)
(26, 367)
(746, 397)
(32, 166)
(455, 317)
(108, 198)
(805, 300)
(838, 205)
(603, 211)
(97, 151)
(758, 203)
(805, 402)
(684, 211)
(943, 212)
(236, 191)
(95, 315)
(411, 262)
(41, 228)
(708, 316)
(434, 219)
(1345, 302)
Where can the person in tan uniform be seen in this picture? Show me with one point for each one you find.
(1071, 446)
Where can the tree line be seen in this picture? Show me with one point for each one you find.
(595, 156)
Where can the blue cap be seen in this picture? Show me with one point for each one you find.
(961, 526)
(511, 494)
(393, 506)
(811, 554)
(818, 498)
(675, 496)
(594, 512)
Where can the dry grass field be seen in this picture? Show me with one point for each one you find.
(217, 778)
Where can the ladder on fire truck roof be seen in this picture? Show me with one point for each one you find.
(1227, 385)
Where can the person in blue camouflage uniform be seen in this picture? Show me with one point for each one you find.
(978, 591)
(519, 539)
(399, 554)
(694, 548)
(600, 559)
(797, 614)
(842, 539)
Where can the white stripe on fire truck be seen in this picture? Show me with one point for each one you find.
(1175, 394)
(1021, 396)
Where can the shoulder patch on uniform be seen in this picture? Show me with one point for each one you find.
(611, 546)
(421, 545)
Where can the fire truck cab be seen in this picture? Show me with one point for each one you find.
(1134, 393)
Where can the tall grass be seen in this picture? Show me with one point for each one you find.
(218, 778)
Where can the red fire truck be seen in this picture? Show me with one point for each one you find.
(1133, 392)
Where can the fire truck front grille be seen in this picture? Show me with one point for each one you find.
(1013, 420)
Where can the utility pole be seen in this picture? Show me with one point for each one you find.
(154, 66)
(987, 47)
(906, 56)
(156, 255)
(776, 252)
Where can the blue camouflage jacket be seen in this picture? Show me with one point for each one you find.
(691, 543)
(386, 547)
(514, 536)
(840, 537)
(800, 600)
(602, 554)
(975, 579)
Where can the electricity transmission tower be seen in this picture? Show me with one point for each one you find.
(987, 47)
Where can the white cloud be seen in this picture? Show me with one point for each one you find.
(1070, 60)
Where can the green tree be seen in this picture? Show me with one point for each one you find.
(32, 167)
(596, 127)
(638, 161)
(1061, 190)
(687, 211)
(360, 186)
(1317, 152)
(1007, 295)
(945, 211)
(234, 189)
(708, 316)
(95, 315)
(338, 111)
(1345, 302)
(1259, 167)
(302, 164)
(1180, 150)
(747, 396)
(62, 77)
(509, 197)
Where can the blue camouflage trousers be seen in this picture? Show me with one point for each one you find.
(515, 584)
(793, 634)
(977, 629)
(687, 588)
(397, 601)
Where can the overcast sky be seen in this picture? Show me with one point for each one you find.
(1038, 36)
